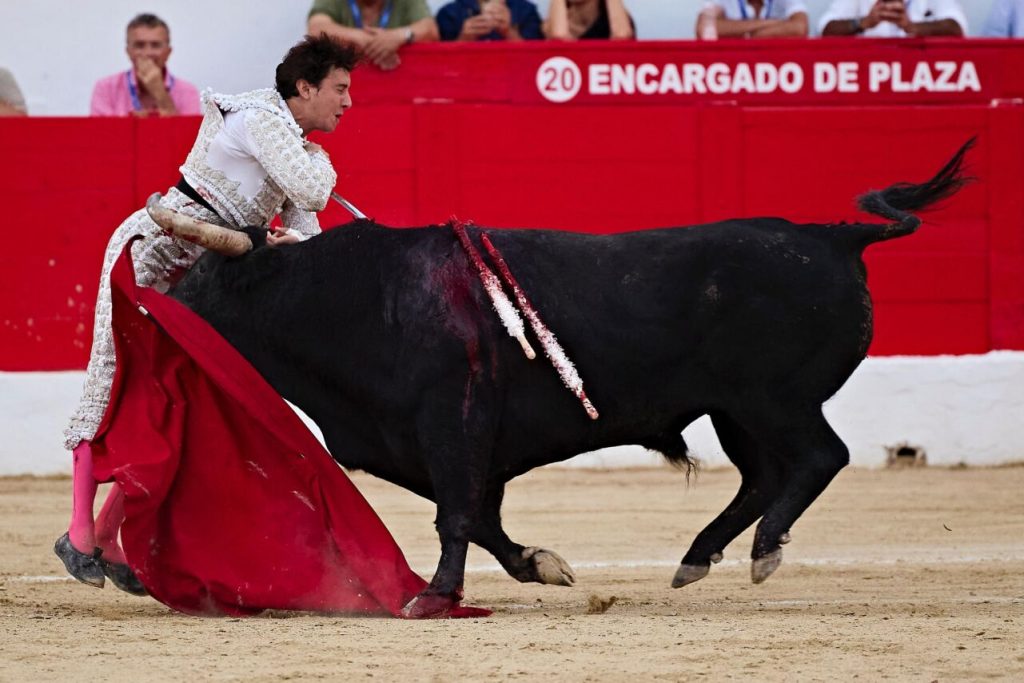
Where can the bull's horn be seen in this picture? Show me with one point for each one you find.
(214, 237)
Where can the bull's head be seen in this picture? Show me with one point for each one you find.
(213, 237)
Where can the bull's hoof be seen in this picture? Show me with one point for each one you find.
(716, 558)
(688, 573)
(763, 567)
(430, 607)
(785, 538)
(549, 567)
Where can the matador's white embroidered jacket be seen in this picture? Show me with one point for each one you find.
(250, 162)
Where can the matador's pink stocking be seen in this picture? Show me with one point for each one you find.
(108, 524)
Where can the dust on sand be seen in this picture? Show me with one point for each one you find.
(913, 574)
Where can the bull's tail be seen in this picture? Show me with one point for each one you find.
(896, 202)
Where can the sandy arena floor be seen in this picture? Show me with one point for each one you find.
(913, 575)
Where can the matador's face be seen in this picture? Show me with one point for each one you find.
(326, 103)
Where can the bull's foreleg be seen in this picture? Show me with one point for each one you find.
(456, 449)
(816, 454)
(445, 589)
(524, 564)
(759, 488)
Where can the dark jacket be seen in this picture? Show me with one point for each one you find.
(525, 19)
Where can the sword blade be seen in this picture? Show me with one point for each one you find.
(348, 205)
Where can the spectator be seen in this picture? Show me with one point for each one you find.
(589, 19)
(753, 19)
(148, 87)
(489, 20)
(12, 102)
(1005, 20)
(893, 18)
(377, 28)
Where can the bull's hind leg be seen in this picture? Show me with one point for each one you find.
(524, 564)
(815, 455)
(761, 474)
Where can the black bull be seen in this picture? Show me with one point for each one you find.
(388, 341)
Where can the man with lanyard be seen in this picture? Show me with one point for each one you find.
(147, 88)
(377, 28)
(756, 18)
(893, 18)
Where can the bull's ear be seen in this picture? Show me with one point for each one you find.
(256, 235)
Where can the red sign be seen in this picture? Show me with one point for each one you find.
(775, 72)
(560, 79)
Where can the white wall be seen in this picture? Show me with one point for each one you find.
(57, 50)
(958, 408)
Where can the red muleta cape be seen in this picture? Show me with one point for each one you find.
(232, 505)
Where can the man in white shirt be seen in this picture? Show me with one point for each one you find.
(1005, 20)
(754, 19)
(893, 18)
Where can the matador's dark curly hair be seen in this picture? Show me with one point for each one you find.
(311, 60)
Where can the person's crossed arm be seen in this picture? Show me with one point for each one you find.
(793, 26)
(379, 45)
(894, 12)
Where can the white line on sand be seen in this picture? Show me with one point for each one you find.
(806, 562)
(635, 564)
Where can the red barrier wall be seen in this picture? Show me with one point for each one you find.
(487, 148)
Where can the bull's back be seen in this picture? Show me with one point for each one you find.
(666, 325)
(733, 295)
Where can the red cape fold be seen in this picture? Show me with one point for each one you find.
(232, 505)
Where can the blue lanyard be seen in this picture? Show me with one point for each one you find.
(767, 9)
(136, 104)
(357, 14)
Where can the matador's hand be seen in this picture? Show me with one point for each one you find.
(276, 238)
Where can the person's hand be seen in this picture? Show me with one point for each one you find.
(359, 39)
(894, 11)
(874, 16)
(389, 63)
(150, 76)
(475, 27)
(500, 16)
(276, 238)
(382, 49)
(313, 148)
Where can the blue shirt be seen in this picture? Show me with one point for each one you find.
(525, 19)
(1005, 20)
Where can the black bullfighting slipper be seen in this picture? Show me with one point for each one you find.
(122, 576)
(83, 566)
